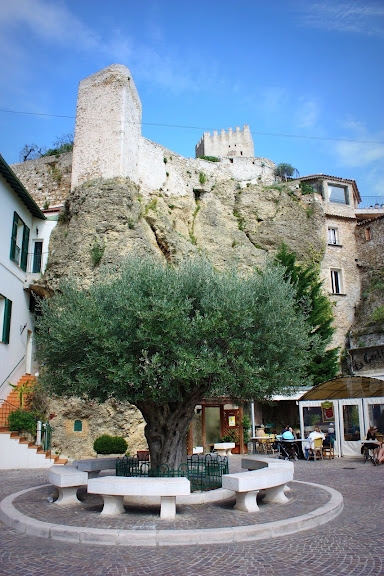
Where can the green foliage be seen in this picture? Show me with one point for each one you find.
(45, 205)
(202, 178)
(97, 252)
(106, 444)
(240, 219)
(65, 214)
(151, 206)
(318, 310)
(246, 424)
(22, 421)
(285, 171)
(162, 338)
(377, 315)
(306, 188)
(165, 160)
(231, 436)
(210, 158)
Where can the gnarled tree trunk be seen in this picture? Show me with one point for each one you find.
(167, 427)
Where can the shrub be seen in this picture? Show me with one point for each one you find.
(107, 444)
(202, 178)
(22, 421)
(210, 158)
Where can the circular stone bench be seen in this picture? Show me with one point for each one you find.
(67, 480)
(93, 466)
(114, 488)
(264, 474)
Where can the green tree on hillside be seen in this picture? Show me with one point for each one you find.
(312, 301)
(285, 171)
(163, 338)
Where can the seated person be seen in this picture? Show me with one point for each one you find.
(316, 433)
(287, 434)
(371, 435)
(380, 453)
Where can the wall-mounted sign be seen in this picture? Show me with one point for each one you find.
(327, 411)
(231, 421)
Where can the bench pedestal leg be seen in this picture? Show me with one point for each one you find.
(168, 507)
(113, 505)
(221, 451)
(276, 495)
(67, 495)
(246, 501)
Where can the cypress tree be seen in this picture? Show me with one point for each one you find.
(324, 364)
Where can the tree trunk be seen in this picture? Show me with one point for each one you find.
(167, 428)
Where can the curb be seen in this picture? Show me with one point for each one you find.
(112, 537)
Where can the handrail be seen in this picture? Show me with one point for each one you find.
(13, 369)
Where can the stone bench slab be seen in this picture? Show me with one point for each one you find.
(114, 488)
(67, 480)
(248, 484)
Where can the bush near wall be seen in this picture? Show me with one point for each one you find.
(22, 421)
(107, 444)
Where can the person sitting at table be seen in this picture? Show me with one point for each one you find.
(316, 433)
(371, 435)
(380, 453)
(287, 434)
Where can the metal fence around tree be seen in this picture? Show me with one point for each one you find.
(204, 472)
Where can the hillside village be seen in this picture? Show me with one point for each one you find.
(118, 194)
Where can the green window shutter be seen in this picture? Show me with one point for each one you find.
(24, 248)
(13, 237)
(7, 320)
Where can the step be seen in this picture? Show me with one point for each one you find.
(61, 461)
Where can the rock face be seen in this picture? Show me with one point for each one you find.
(105, 221)
(77, 424)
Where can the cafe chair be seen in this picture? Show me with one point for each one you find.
(329, 450)
(317, 451)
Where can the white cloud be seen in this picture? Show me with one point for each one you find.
(307, 113)
(50, 21)
(364, 149)
(54, 24)
(359, 17)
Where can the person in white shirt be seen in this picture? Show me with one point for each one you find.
(317, 433)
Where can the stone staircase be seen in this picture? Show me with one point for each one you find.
(18, 444)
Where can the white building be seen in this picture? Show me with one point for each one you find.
(24, 238)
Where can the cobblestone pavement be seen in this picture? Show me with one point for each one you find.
(352, 544)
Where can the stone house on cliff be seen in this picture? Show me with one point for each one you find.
(131, 195)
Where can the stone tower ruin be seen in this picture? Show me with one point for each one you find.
(108, 127)
(231, 143)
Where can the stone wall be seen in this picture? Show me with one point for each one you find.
(47, 179)
(232, 143)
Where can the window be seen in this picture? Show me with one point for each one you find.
(77, 426)
(336, 282)
(5, 319)
(338, 194)
(37, 253)
(19, 242)
(333, 236)
(368, 234)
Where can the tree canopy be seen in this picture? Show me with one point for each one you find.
(311, 299)
(285, 171)
(162, 338)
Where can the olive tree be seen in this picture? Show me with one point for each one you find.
(163, 338)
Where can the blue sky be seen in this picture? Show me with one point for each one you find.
(306, 76)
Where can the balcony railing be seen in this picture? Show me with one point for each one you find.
(36, 263)
(376, 202)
